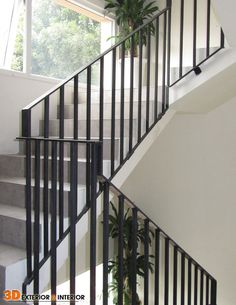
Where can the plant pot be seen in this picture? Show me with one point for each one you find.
(135, 72)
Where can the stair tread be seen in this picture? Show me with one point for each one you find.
(12, 211)
(10, 254)
(21, 181)
(41, 157)
(109, 102)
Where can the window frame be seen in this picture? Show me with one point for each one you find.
(27, 41)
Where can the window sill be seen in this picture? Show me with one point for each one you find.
(34, 77)
(12, 73)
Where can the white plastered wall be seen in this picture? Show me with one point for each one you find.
(17, 91)
(187, 183)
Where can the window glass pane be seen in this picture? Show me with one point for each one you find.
(11, 34)
(17, 57)
(62, 39)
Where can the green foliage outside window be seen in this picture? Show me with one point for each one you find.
(62, 41)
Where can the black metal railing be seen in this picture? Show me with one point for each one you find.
(177, 277)
(133, 110)
(52, 197)
(153, 256)
(206, 41)
(71, 154)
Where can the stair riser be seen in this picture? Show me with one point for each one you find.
(81, 149)
(54, 128)
(15, 167)
(14, 195)
(82, 112)
(12, 231)
(95, 95)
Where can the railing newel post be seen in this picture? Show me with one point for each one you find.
(26, 123)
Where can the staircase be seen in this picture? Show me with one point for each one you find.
(75, 139)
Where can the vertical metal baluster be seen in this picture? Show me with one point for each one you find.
(166, 283)
(207, 290)
(113, 110)
(36, 217)
(157, 266)
(88, 136)
(61, 190)
(45, 181)
(201, 287)
(194, 32)
(189, 281)
(182, 278)
(61, 112)
(213, 291)
(164, 67)
(181, 42)
(196, 285)
(146, 261)
(73, 214)
(105, 241)
(168, 52)
(76, 106)
(61, 162)
(156, 110)
(88, 118)
(175, 275)
(131, 97)
(93, 224)
(148, 76)
(222, 39)
(122, 100)
(54, 222)
(28, 205)
(208, 28)
(101, 106)
(120, 249)
(134, 255)
(140, 85)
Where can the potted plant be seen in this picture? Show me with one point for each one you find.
(127, 255)
(129, 15)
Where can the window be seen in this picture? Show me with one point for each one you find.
(64, 36)
(12, 16)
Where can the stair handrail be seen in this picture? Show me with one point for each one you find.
(80, 70)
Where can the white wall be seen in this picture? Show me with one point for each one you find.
(95, 5)
(16, 91)
(187, 183)
(225, 10)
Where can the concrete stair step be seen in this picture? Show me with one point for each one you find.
(82, 110)
(81, 148)
(14, 166)
(95, 94)
(12, 226)
(54, 127)
(12, 268)
(12, 193)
